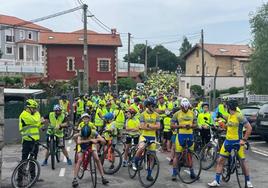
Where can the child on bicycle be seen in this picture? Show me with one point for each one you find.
(132, 128)
(110, 135)
(88, 138)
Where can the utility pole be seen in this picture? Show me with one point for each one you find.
(145, 60)
(214, 87)
(85, 53)
(203, 61)
(128, 63)
(156, 61)
(245, 83)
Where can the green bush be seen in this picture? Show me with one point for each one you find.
(233, 90)
(196, 90)
(126, 84)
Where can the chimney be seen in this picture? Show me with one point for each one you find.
(113, 31)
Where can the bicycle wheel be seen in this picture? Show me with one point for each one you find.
(25, 174)
(52, 152)
(148, 164)
(189, 169)
(58, 154)
(121, 146)
(81, 172)
(132, 173)
(226, 172)
(68, 132)
(93, 171)
(111, 162)
(240, 175)
(208, 156)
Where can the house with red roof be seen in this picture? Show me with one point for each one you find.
(230, 58)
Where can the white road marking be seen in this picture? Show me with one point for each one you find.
(70, 141)
(266, 155)
(259, 150)
(62, 172)
(257, 142)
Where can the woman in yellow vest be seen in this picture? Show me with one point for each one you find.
(166, 145)
(99, 115)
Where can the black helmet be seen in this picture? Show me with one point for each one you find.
(232, 104)
(86, 131)
(63, 97)
(205, 104)
(137, 99)
(150, 101)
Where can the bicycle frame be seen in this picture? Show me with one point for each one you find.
(86, 155)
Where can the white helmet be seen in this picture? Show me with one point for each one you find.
(185, 103)
(85, 115)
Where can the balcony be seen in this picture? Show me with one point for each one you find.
(16, 66)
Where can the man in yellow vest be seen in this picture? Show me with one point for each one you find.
(80, 107)
(57, 121)
(161, 108)
(29, 124)
(65, 104)
(99, 115)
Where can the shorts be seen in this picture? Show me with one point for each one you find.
(152, 147)
(134, 138)
(59, 141)
(167, 135)
(180, 142)
(83, 148)
(173, 138)
(228, 146)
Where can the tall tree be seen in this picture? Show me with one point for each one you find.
(258, 67)
(138, 54)
(185, 47)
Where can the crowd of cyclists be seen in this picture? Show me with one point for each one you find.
(159, 117)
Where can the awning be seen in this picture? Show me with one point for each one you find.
(22, 92)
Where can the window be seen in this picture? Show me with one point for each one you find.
(197, 52)
(104, 85)
(22, 34)
(104, 65)
(188, 85)
(197, 69)
(9, 35)
(21, 53)
(9, 50)
(30, 35)
(70, 64)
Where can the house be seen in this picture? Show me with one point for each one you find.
(229, 58)
(19, 44)
(64, 52)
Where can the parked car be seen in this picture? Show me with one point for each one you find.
(262, 122)
(251, 112)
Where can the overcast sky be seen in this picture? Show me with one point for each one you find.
(159, 21)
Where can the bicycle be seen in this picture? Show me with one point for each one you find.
(68, 131)
(54, 148)
(27, 172)
(148, 161)
(234, 166)
(110, 157)
(88, 159)
(186, 161)
(209, 153)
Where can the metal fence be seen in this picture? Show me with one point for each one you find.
(257, 98)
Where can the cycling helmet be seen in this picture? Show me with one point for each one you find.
(232, 104)
(57, 107)
(85, 115)
(205, 104)
(132, 111)
(31, 103)
(185, 103)
(63, 97)
(86, 131)
(167, 112)
(150, 101)
(109, 116)
(224, 98)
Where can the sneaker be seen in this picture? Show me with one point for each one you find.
(214, 184)
(174, 177)
(44, 163)
(249, 184)
(75, 183)
(150, 178)
(193, 176)
(111, 167)
(134, 167)
(104, 181)
(69, 162)
(124, 163)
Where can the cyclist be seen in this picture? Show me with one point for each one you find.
(135, 105)
(235, 124)
(87, 137)
(29, 124)
(80, 106)
(203, 124)
(161, 108)
(57, 121)
(65, 104)
(149, 125)
(119, 117)
(99, 115)
(184, 120)
(110, 135)
(132, 128)
(167, 131)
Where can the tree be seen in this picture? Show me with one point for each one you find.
(138, 54)
(258, 67)
(126, 84)
(185, 47)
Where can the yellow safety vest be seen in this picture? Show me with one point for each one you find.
(133, 124)
(98, 120)
(55, 123)
(167, 124)
(29, 125)
(119, 118)
(80, 107)
(64, 105)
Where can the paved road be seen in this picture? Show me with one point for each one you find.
(62, 176)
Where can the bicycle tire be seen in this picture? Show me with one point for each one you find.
(143, 162)
(226, 172)
(14, 177)
(204, 157)
(81, 172)
(192, 180)
(108, 171)
(93, 171)
(68, 132)
(132, 173)
(240, 175)
(52, 153)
